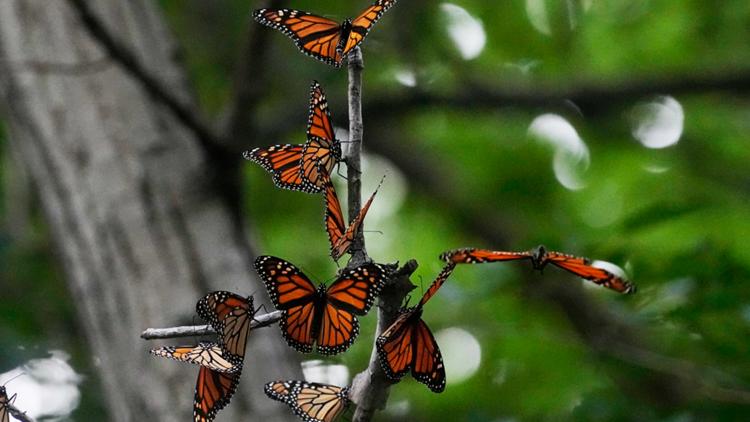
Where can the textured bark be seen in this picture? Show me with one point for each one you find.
(131, 200)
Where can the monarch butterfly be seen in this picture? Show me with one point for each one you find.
(205, 354)
(322, 38)
(230, 315)
(312, 402)
(325, 315)
(408, 344)
(339, 235)
(302, 167)
(213, 391)
(539, 258)
(5, 403)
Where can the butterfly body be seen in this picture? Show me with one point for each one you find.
(324, 316)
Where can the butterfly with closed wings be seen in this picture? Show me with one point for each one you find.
(325, 316)
(311, 401)
(408, 344)
(304, 167)
(339, 235)
(322, 38)
(539, 258)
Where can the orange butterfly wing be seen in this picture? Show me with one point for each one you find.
(353, 293)
(292, 292)
(582, 267)
(439, 280)
(314, 35)
(213, 391)
(339, 235)
(322, 150)
(284, 163)
(312, 402)
(427, 365)
(478, 256)
(394, 346)
(230, 315)
(210, 355)
(362, 24)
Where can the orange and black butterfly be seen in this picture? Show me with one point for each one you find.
(303, 167)
(322, 38)
(324, 315)
(230, 315)
(539, 258)
(5, 403)
(311, 401)
(210, 355)
(408, 344)
(339, 235)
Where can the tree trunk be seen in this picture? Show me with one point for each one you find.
(130, 199)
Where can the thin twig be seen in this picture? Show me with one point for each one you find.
(353, 153)
(370, 387)
(130, 63)
(593, 97)
(21, 416)
(200, 330)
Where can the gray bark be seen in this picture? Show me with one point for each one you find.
(129, 196)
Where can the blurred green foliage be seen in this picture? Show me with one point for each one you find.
(675, 218)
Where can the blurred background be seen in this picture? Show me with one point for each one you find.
(612, 129)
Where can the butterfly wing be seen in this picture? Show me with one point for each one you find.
(343, 242)
(334, 217)
(205, 354)
(284, 162)
(439, 280)
(213, 391)
(278, 390)
(353, 293)
(362, 24)
(314, 35)
(292, 292)
(230, 315)
(478, 256)
(395, 346)
(4, 405)
(427, 365)
(582, 267)
(312, 402)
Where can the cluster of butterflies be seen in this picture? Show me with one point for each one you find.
(307, 168)
(324, 318)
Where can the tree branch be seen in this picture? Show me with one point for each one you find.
(21, 416)
(353, 153)
(200, 330)
(250, 82)
(155, 87)
(592, 97)
(370, 387)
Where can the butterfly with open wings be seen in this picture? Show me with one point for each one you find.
(325, 316)
(322, 38)
(304, 167)
(539, 258)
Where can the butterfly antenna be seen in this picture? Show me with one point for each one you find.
(12, 378)
(338, 171)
